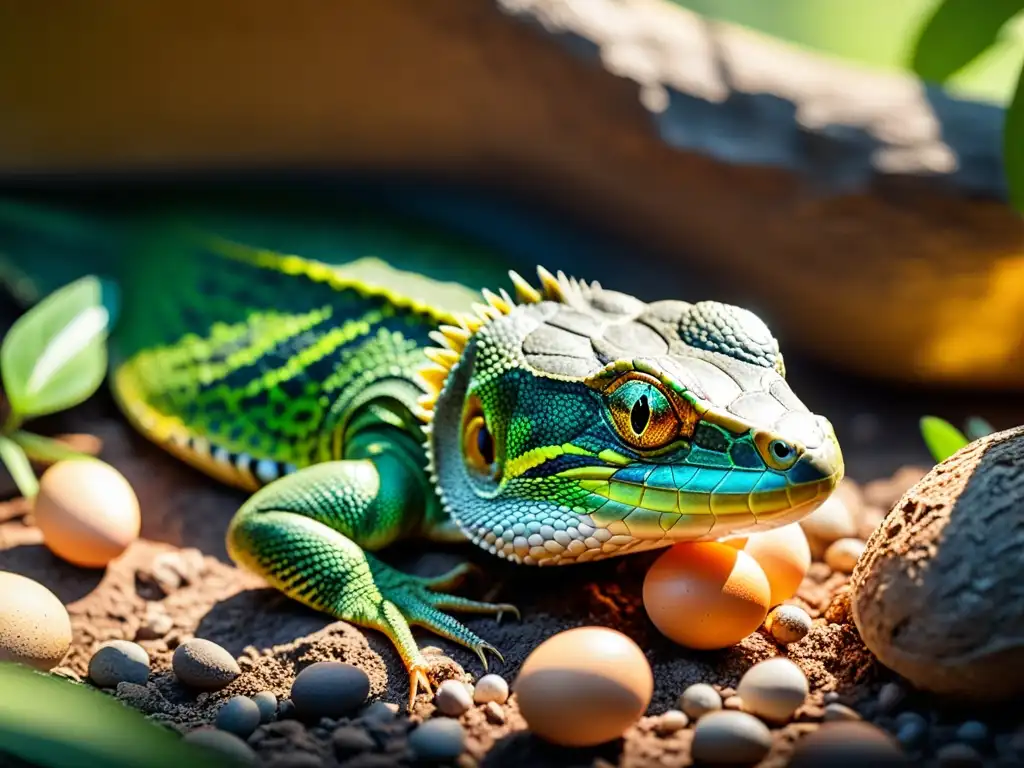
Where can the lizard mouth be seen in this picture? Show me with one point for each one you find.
(671, 503)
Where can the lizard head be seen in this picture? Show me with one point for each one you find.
(575, 422)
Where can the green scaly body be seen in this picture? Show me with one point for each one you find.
(362, 404)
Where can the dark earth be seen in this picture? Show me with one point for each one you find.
(180, 570)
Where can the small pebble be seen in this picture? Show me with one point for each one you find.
(154, 626)
(453, 698)
(329, 689)
(889, 697)
(836, 711)
(911, 730)
(733, 702)
(732, 738)
(698, 700)
(494, 713)
(670, 722)
(438, 739)
(267, 703)
(773, 689)
(227, 744)
(380, 712)
(119, 661)
(238, 715)
(830, 522)
(491, 688)
(842, 555)
(847, 745)
(788, 624)
(973, 732)
(349, 740)
(831, 697)
(204, 665)
(286, 710)
(958, 755)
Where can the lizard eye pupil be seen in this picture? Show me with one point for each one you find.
(485, 444)
(640, 415)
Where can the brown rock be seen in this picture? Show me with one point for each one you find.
(937, 595)
(676, 108)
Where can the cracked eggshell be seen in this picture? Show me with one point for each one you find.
(937, 595)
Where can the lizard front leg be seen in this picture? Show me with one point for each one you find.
(308, 533)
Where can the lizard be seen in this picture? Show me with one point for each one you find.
(550, 422)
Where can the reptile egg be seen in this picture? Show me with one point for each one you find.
(783, 554)
(706, 595)
(87, 511)
(35, 628)
(584, 687)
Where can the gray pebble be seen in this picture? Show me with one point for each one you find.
(889, 697)
(836, 711)
(453, 698)
(267, 703)
(973, 732)
(380, 712)
(958, 755)
(730, 737)
(831, 697)
(227, 744)
(119, 661)
(329, 689)
(238, 715)
(204, 665)
(286, 710)
(349, 740)
(490, 688)
(911, 732)
(698, 700)
(439, 739)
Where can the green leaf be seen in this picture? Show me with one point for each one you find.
(978, 428)
(54, 723)
(1013, 145)
(957, 33)
(14, 458)
(54, 357)
(941, 437)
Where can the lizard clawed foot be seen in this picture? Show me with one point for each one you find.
(418, 678)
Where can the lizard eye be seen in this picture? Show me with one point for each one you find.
(643, 416)
(477, 441)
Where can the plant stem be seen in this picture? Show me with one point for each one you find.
(45, 450)
(17, 463)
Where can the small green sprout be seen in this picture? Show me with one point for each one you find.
(53, 358)
(943, 439)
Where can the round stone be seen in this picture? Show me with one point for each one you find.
(835, 711)
(491, 688)
(671, 721)
(239, 715)
(842, 555)
(774, 689)
(847, 745)
(958, 755)
(227, 744)
(119, 661)
(267, 703)
(729, 738)
(437, 740)
(204, 665)
(329, 689)
(788, 624)
(699, 699)
(453, 698)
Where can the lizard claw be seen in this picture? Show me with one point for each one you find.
(485, 646)
(417, 678)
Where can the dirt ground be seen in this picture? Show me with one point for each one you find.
(180, 569)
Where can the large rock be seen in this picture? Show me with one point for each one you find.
(861, 213)
(938, 596)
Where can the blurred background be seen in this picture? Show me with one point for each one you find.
(839, 168)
